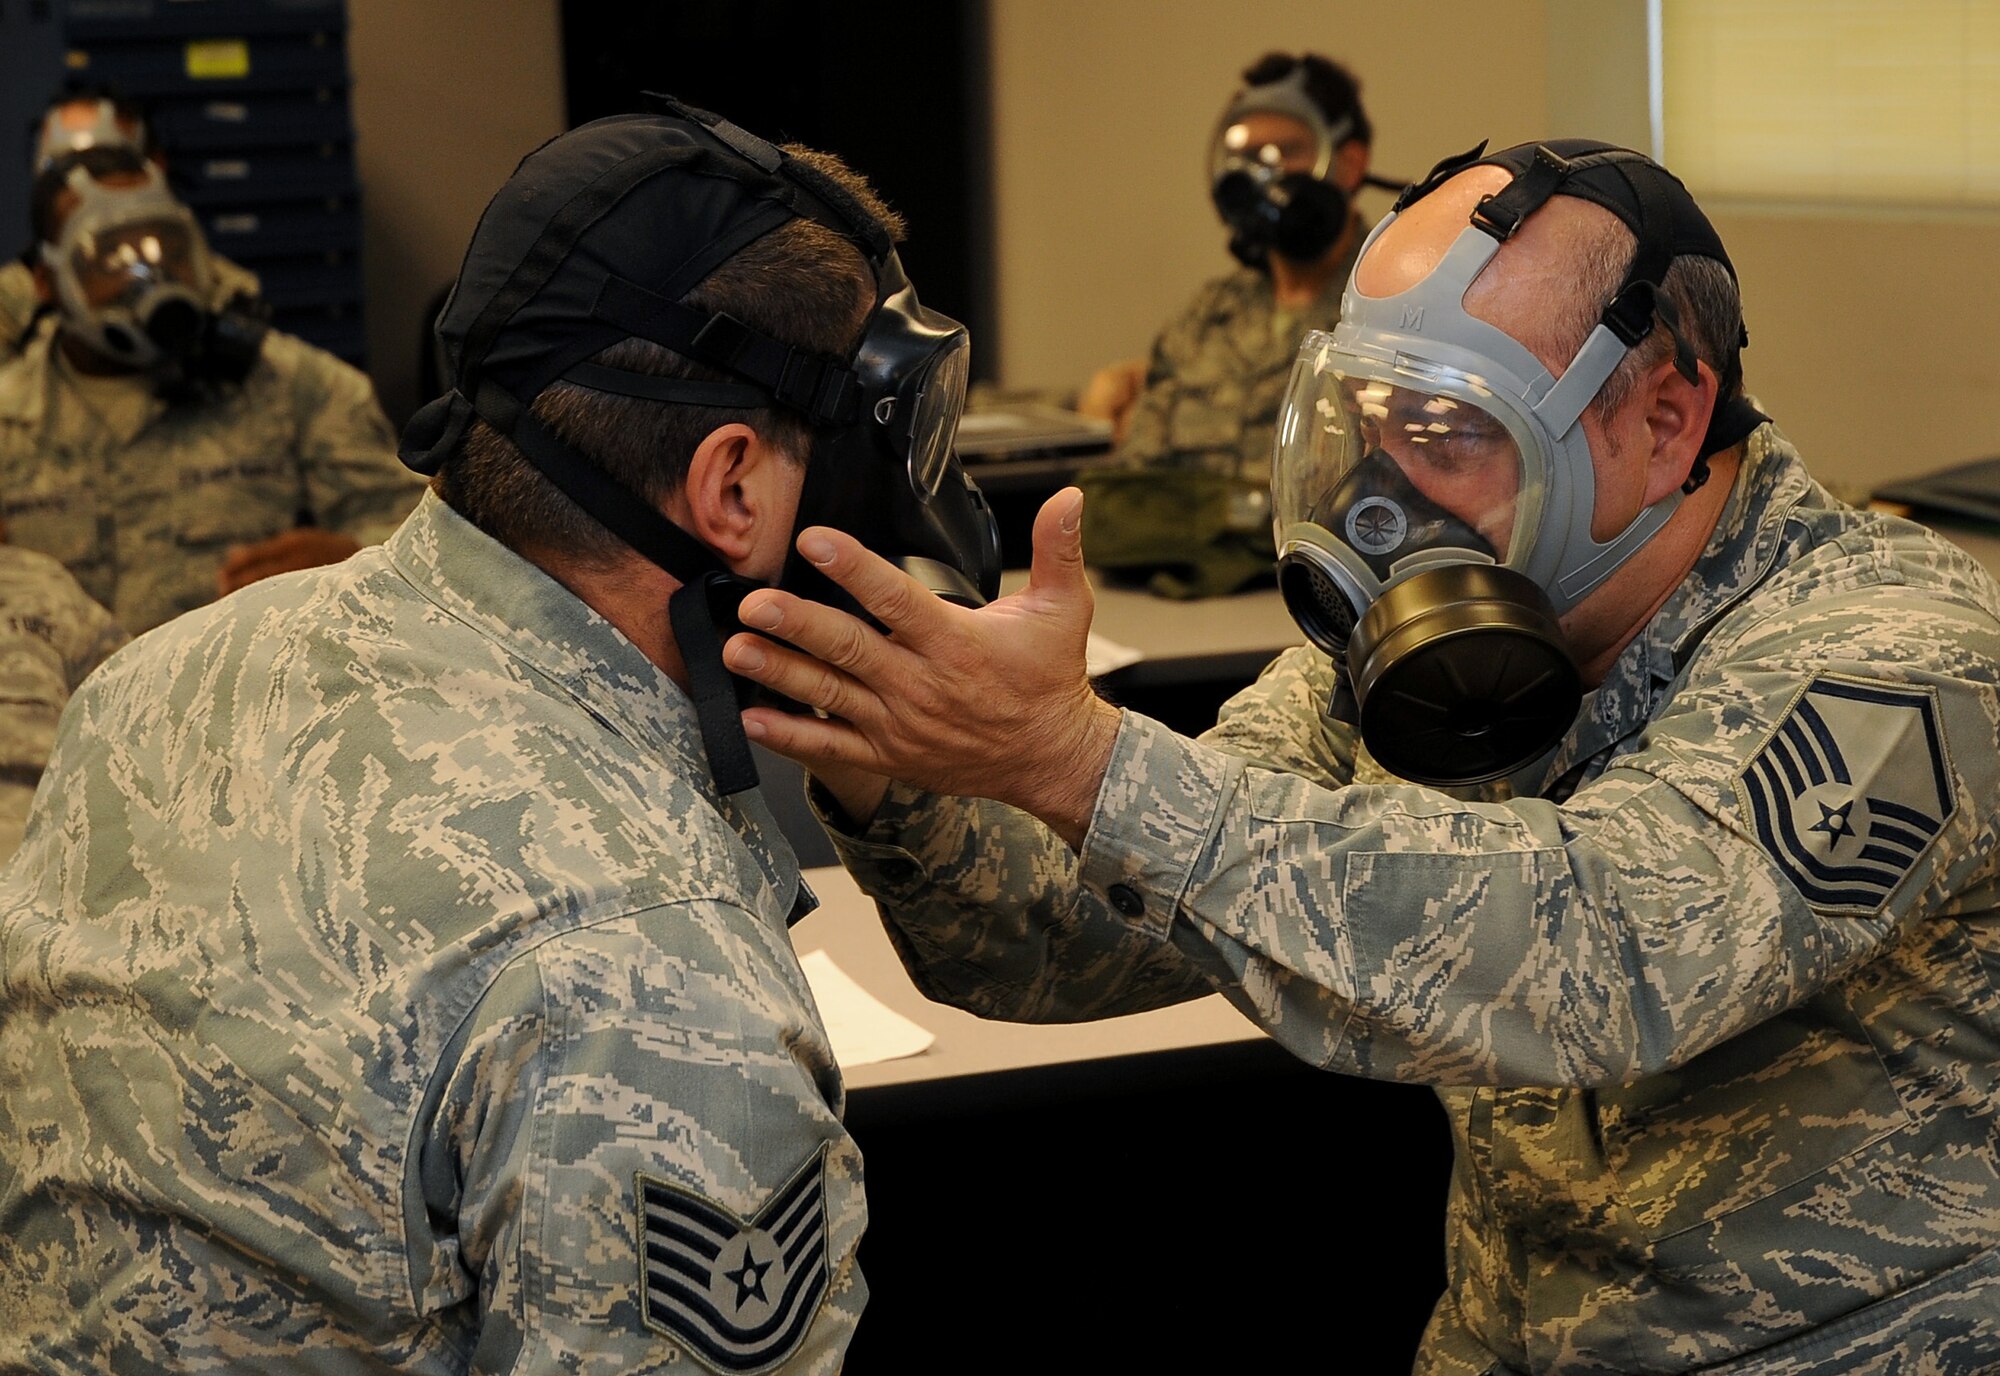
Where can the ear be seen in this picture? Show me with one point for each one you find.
(1350, 165)
(1677, 416)
(723, 498)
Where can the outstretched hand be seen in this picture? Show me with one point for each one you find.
(993, 702)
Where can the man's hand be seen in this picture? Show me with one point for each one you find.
(1111, 394)
(305, 548)
(992, 703)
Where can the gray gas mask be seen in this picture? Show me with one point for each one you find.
(1433, 490)
(131, 271)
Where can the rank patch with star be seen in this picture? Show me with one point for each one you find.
(737, 1294)
(1850, 789)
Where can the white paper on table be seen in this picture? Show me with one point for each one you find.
(1101, 655)
(862, 1028)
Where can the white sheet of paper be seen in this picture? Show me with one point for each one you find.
(1101, 655)
(861, 1027)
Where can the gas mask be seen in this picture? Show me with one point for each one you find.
(130, 270)
(1269, 169)
(132, 279)
(1433, 490)
(600, 236)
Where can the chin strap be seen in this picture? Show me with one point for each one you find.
(698, 612)
(702, 612)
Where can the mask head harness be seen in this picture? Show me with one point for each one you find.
(1433, 487)
(58, 137)
(1297, 212)
(599, 236)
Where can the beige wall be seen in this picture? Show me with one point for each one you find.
(1873, 336)
(1102, 114)
(448, 95)
(1872, 340)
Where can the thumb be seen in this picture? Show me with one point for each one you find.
(1057, 566)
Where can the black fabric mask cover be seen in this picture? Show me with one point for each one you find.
(599, 236)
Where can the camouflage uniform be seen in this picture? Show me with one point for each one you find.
(51, 635)
(19, 299)
(143, 507)
(1217, 374)
(1189, 487)
(386, 989)
(1710, 1001)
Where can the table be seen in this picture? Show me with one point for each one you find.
(1212, 638)
(846, 928)
(1097, 1196)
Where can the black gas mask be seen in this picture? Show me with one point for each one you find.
(1270, 170)
(600, 235)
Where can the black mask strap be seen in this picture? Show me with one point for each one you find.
(699, 612)
(822, 387)
(679, 391)
(1445, 170)
(703, 614)
(1501, 213)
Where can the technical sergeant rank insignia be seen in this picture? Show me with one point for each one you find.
(1850, 789)
(737, 1294)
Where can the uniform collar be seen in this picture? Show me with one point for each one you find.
(1770, 482)
(534, 619)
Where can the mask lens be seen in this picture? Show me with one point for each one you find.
(939, 401)
(1394, 466)
(1264, 145)
(118, 263)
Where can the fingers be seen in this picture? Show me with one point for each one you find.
(815, 743)
(1057, 566)
(891, 596)
(801, 677)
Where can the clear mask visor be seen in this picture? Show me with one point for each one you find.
(1254, 149)
(118, 265)
(1393, 467)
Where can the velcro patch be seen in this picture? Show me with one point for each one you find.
(737, 1294)
(1850, 790)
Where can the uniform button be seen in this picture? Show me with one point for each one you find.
(1126, 899)
(899, 870)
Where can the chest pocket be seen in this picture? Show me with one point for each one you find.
(235, 498)
(1766, 1110)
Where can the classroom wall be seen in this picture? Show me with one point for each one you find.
(1872, 337)
(1873, 333)
(447, 97)
(1102, 113)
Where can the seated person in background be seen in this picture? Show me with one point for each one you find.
(76, 119)
(1187, 498)
(164, 451)
(51, 635)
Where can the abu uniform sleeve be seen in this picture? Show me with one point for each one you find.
(635, 1156)
(1817, 784)
(983, 902)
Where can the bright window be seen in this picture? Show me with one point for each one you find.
(1837, 101)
